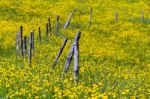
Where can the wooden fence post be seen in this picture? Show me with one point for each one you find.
(71, 53)
(32, 40)
(39, 38)
(25, 45)
(17, 44)
(116, 16)
(142, 16)
(30, 50)
(46, 31)
(49, 24)
(76, 59)
(59, 53)
(68, 21)
(91, 14)
(21, 41)
(57, 25)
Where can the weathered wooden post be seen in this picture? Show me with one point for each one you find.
(76, 59)
(57, 25)
(71, 53)
(91, 14)
(59, 53)
(25, 45)
(21, 41)
(17, 44)
(68, 21)
(39, 37)
(46, 31)
(69, 58)
(116, 16)
(30, 50)
(32, 40)
(142, 16)
(49, 24)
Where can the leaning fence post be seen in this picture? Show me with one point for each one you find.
(46, 31)
(39, 37)
(68, 21)
(91, 12)
(57, 25)
(49, 24)
(59, 53)
(116, 16)
(69, 58)
(25, 45)
(30, 50)
(21, 40)
(142, 16)
(17, 44)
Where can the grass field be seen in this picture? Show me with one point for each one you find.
(114, 56)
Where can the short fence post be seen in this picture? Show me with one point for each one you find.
(21, 40)
(25, 45)
(116, 16)
(59, 53)
(91, 12)
(46, 31)
(30, 50)
(49, 24)
(39, 37)
(17, 44)
(68, 21)
(142, 16)
(57, 25)
(32, 40)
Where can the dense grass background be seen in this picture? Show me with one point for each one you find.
(114, 56)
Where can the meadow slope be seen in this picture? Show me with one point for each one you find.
(114, 56)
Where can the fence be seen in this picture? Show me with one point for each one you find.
(21, 42)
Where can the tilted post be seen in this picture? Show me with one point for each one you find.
(68, 21)
(59, 53)
(69, 58)
(71, 53)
